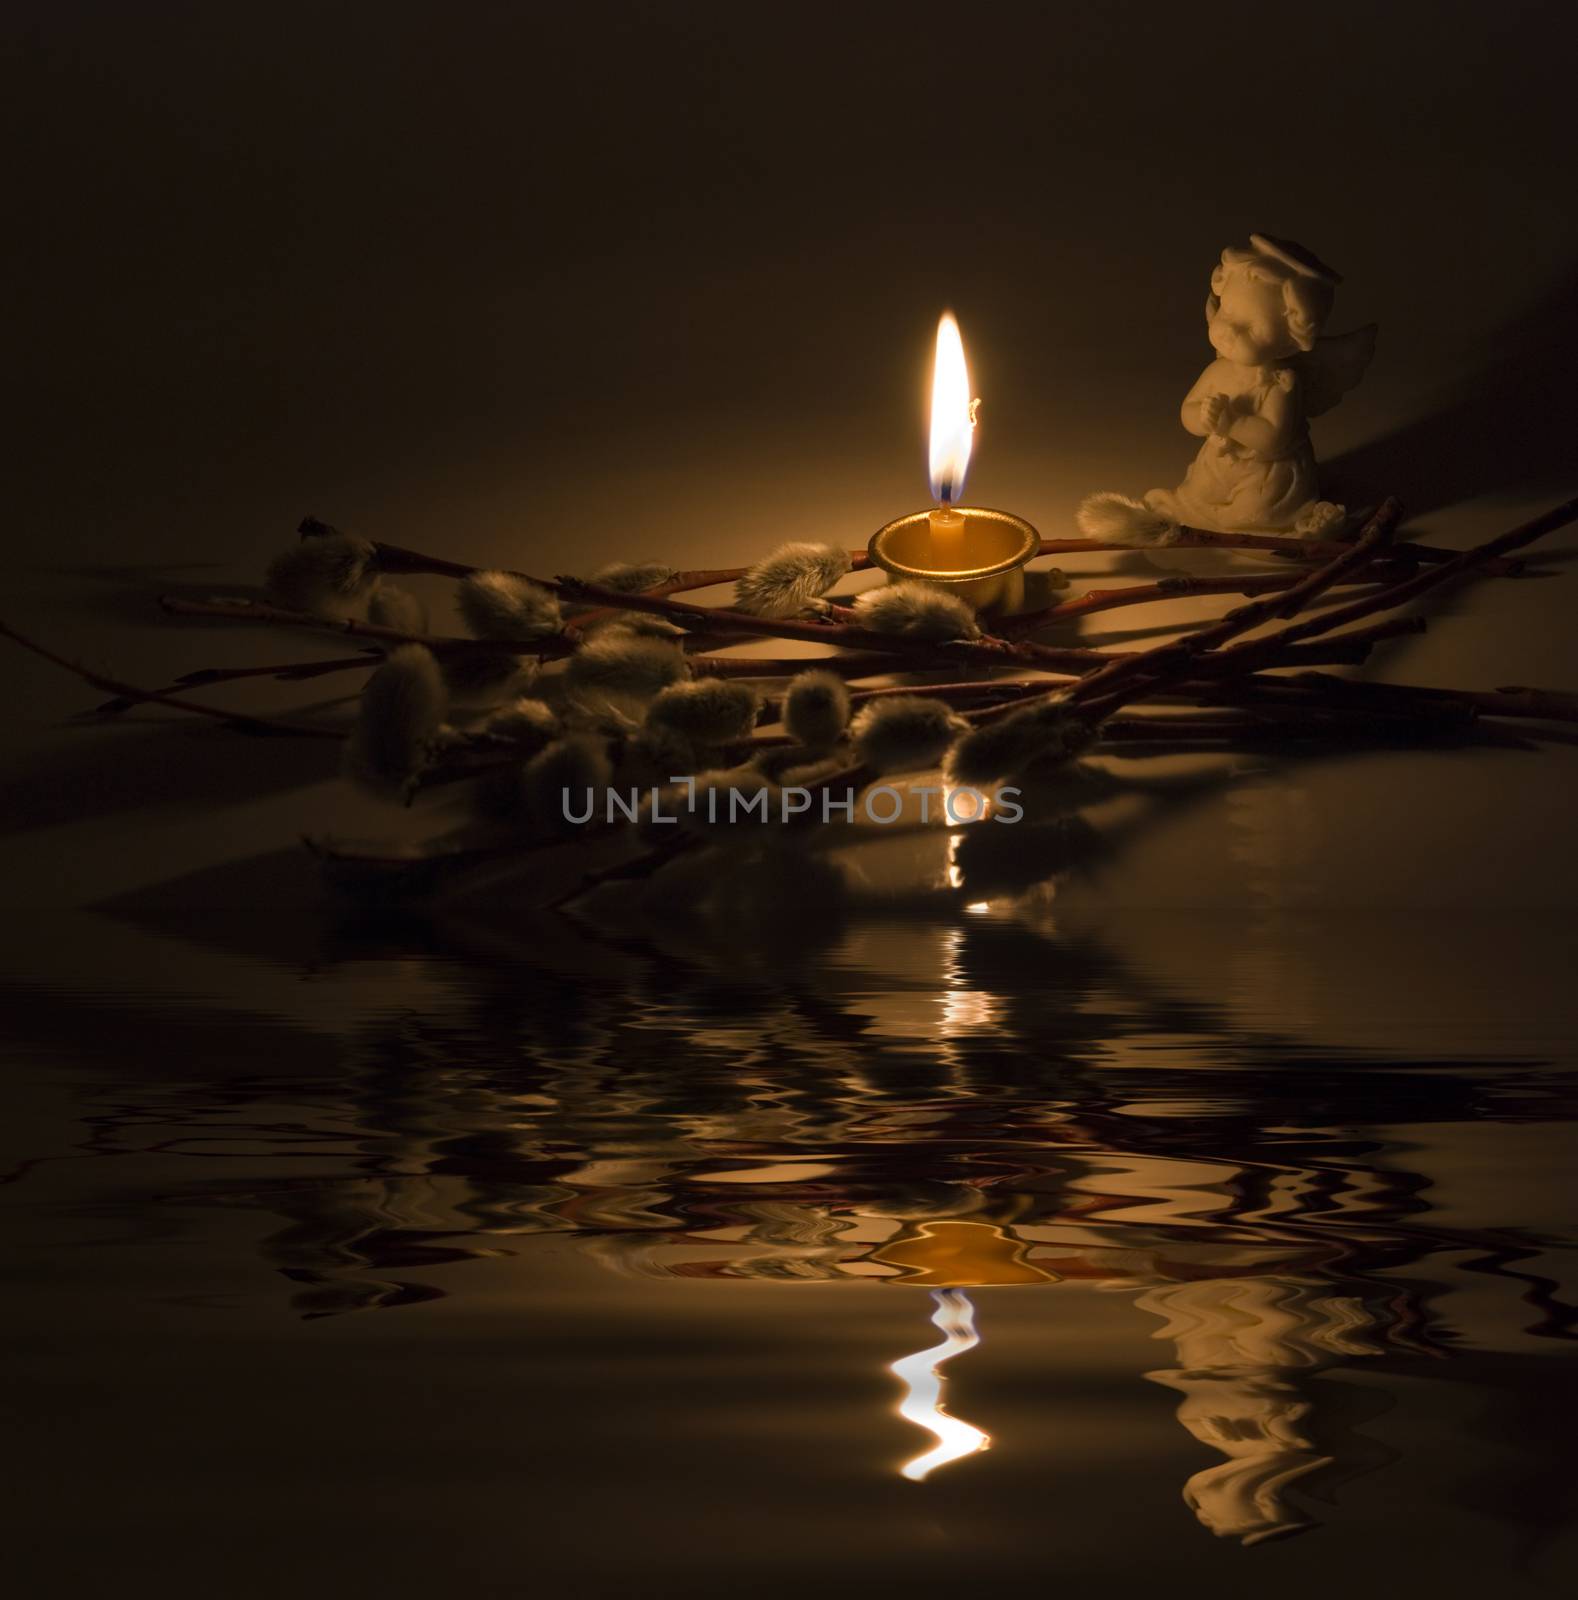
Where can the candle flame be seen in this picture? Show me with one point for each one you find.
(952, 414)
(922, 1404)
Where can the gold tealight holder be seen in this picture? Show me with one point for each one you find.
(998, 545)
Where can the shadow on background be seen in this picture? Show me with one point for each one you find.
(1508, 426)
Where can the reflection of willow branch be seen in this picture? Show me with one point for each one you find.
(1345, 1224)
(762, 888)
(554, 1101)
(1055, 839)
(1558, 1319)
(1358, 1223)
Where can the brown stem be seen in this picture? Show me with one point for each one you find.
(853, 665)
(1227, 735)
(910, 651)
(705, 643)
(1305, 550)
(717, 619)
(882, 653)
(1341, 558)
(1129, 725)
(1540, 705)
(981, 689)
(1177, 588)
(397, 558)
(856, 664)
(1299, 688)
(1466, 564)
(285, 671)
(1103, 691)
(710, 577)
(1520, 702)
(258, 611)
(122, 690)
(684, 582)
(281, 671)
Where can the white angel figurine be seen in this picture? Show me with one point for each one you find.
(1273, 371)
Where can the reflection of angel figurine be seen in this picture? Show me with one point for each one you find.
(1255, 473)
(1248, 1352)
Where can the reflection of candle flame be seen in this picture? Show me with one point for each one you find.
(922, 1405)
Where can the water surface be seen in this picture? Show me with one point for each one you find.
(409, 1257)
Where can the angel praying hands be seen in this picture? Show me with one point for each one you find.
(1255, 473)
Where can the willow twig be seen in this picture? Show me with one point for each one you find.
(718, 619)
(986, 652)
(879, 652)
(260, 612)
(399, 558)
(842, 635)
(1305, 550)
(1176, 659)
(1466, 564)
(1176, 588)
(1298, 688)
(240, 720)
(1103, 691)
(1137, 726)
(281, 671)
(1540, 705)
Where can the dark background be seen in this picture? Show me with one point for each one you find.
(554, 284)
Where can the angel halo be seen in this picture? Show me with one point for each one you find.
(1273, 371)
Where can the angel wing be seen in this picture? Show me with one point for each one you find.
(1334, 366)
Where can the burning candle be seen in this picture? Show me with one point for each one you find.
(952, 432)
(974, 553)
